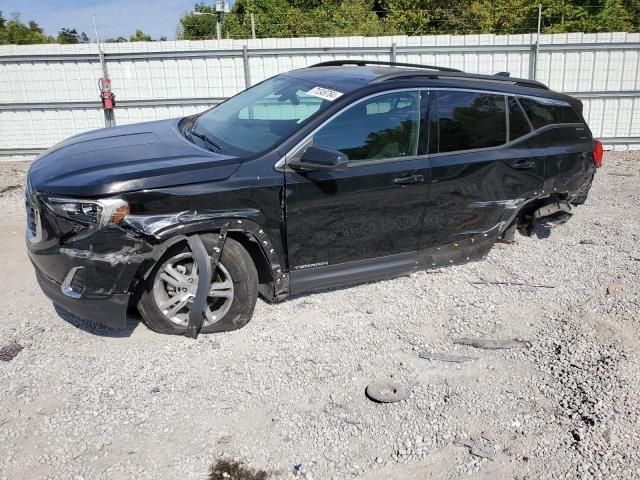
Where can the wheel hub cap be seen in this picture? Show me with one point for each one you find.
(175, 288)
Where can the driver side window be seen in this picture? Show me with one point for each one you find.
(383, 127)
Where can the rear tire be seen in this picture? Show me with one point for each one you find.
(162, 288)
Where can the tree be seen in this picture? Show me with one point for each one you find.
(67, 35)
(35, 28)
(286, 18)
(422, 17)
(198, 27)
(15, 32)
(116, 40)
(614, 17)
(140, 36)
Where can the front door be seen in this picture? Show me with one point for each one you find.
(356, 225)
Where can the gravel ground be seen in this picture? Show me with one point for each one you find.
(81, 401)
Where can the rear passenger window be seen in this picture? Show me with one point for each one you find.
(385, 126)
(546, 111)
(518, 124)
(470, 120)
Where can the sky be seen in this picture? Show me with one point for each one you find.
(114, 17)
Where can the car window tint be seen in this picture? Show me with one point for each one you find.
(546, 111)
(296, 107)
(518, 124)
(470, 120)
(385, 126)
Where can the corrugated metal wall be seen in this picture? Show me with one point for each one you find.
(49, 92)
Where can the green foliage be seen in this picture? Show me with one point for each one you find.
(67, 35)
(286, 18)
(294, 18)
(198, 27)
(140, 36)
(16, 32)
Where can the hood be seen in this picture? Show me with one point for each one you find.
(128, 158)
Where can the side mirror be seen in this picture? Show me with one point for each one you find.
(320, 159)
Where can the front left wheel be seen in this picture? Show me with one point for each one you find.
(168, 294)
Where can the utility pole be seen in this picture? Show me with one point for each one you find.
(253, 26)
(220, 8)
(535, 66)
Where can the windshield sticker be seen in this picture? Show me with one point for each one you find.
(325, 93)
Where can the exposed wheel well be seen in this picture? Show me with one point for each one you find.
(524, 220)
(265, 275)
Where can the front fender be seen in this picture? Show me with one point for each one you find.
(169, 228)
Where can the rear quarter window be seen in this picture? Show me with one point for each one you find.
(544, 111)
(469, 120)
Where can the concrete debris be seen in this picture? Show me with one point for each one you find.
(8, 188)
(475, 449)
(511, 283)
(446, 357)
(387, 392)
(492, 344)
(9, 351)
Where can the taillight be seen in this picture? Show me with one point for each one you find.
(598, 153)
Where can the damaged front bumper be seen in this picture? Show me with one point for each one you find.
(110, 310)
(90, 272)
(94, 286)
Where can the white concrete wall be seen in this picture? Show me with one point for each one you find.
(593, 66)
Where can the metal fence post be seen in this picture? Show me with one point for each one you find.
(245, 64)
(532, 61)
(392, 54)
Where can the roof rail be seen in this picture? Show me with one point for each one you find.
(521, 82)
(362, 63)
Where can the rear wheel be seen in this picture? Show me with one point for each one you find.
(169, 291)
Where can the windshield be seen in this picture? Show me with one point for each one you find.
(258, 118)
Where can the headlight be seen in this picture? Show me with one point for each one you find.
(96, 212)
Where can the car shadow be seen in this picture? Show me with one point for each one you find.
(96, 328)
(542, 230)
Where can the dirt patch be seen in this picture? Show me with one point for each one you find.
(230, 470)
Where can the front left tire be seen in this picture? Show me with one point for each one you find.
(169, 290)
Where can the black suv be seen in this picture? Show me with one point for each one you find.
(343, 172)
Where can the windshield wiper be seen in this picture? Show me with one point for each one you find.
(205, 139)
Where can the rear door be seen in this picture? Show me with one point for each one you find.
(357, 225)
(480, 176)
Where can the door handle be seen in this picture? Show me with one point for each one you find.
(523, 165)
(409, 179)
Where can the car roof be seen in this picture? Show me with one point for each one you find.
(349, 75)
(342, 78)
